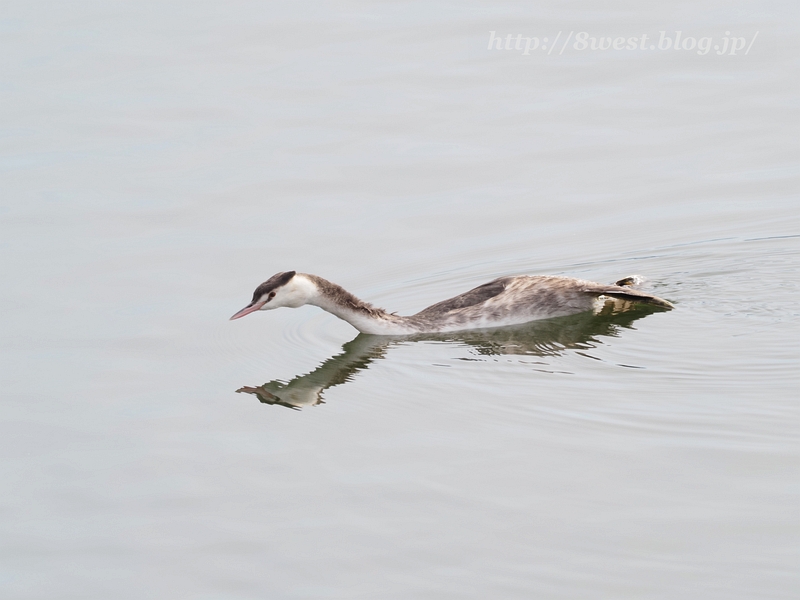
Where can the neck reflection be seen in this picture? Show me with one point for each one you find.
(549, 337)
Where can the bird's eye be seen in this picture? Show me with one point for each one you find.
(271, 295)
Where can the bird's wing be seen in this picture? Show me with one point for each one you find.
(478, 295)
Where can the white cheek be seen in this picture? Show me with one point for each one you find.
(294, 295)
(282, 300)
(293, 300)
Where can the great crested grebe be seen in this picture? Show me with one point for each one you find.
(505, 301)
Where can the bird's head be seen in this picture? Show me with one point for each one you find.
(282, 289)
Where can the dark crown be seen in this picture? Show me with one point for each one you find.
(274, 282)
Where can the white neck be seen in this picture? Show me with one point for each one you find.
(341, 303)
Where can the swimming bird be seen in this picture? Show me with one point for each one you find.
(510, 300)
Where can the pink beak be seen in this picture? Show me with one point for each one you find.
(248, 309)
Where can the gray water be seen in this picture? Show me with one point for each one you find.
(159, 160)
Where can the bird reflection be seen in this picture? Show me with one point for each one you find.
(549, 337)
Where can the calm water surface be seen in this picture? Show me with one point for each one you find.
(160, 160)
